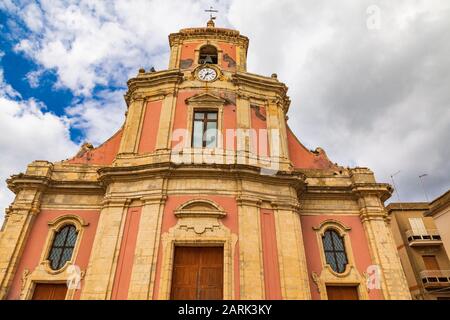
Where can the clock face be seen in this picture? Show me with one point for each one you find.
(207, 74)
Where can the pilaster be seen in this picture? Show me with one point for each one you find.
(250, 250)
(243, 121)
(101, 269)
(20, 217)
(133, 125)
(382, 247)
(146, 252)
(163, 139)
(291, 253)
(277, 142)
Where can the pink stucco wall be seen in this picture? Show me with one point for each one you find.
(150, 127)
(260, 142)
(270, 255)
(188, 52)
(302, 158)
(101, 155)
(126, 254)
(36, 241)
(359, 246)
(230, 221)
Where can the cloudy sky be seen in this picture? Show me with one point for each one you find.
(369, 80)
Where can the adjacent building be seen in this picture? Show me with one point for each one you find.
(422, 245)
(440, 212)
(203, 193)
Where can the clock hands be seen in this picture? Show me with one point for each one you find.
(207, 74)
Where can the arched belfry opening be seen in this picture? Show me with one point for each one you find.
(208, 54)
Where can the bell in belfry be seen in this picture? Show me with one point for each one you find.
(208, 59)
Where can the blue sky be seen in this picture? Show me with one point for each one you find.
(16, 67)
(375, 98)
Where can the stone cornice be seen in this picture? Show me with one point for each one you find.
(381, 190)
(206, 98)
(439, 204)
(355, 190)
(407, 206)
(227, 35)
(261, 83)
(168, 169)
(23, 181)
(152, 80)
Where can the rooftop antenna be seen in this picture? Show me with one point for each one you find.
(395, 188)
(423, 185)
(211, 17)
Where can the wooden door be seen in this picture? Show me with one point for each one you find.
(197, 273)
(430, 263)
(342, 293)
(50, 291)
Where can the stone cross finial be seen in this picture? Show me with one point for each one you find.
(210, 23)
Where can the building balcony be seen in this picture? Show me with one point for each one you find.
(435, 279)
(430, 237)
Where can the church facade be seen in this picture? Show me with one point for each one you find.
(203, 193)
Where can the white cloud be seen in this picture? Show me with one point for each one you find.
(98, 118)
(29, 133)
(90, 43)
(369, 98)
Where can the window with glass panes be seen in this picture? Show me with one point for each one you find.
(335, 255)
(62, 247)
(204, 131)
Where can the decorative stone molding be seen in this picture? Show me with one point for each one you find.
(205, 101)
(40, 275)
(328, 276)
(203, 228)
(199, 208)
(350, 278)
(55, 226)
(43, 273)
(222, 34)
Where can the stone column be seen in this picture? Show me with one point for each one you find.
(381, 243)
(283, 134)
(243, 121)
(291, 254)
(250, 250)
(146, 252)
(241, 58)
(102, 262)
(174, 60)
(19, 219)
(277, 137)
(133, 125)
(163, 139)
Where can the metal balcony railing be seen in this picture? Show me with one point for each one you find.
(427, 237)
(435, 278)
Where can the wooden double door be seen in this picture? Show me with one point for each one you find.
(342, 293)
(50, 291)
(197, 273)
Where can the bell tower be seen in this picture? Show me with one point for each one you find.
(204, 169)
(194, 46)
(207, 78)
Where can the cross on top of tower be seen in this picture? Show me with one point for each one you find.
(210, 23)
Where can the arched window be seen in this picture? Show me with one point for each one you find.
(333, 245)
(208, 54)
(62, 247)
